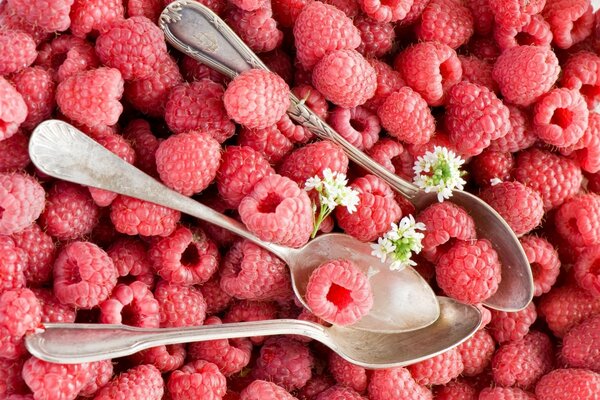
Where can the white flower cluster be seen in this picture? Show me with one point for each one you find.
(439, 171)
(399, 243)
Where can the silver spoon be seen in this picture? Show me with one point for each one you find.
(402, 300)
(78, 343)
(198, 32)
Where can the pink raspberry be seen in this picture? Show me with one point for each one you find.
(11, 379)
(582, 72)
(456, 390)
(286, 12)
(388, 82)
(248, 5)
(18, 51)
(14, 152)
(278, 211)
(377, 38)
(216, 299)
(525, 73)
(40, 251)
(345, 78)
(199, 106)
(20, 313)
(519, 137)
(67, 55)
(279, 62)
(130, 257)
(350, 7)
(49, 15)
(483, 17)
(194, 70)
(565, 307)
(144, 382)
(179, 305)
(438, 370)
(586, 274)
(386, 11)
(522, 362)
(310, 160)
(501, 393)
(469, 271)
(568, 383)
(536, 168)
(137, 217)
(484, 47)
(430, 69)
(185, 257)
(392, 156)
(84, 275)
(101, 372)
(92, 17)
(578, 220)
(478, 71)
(52, 309)
(415, 12)
(165, 358)
(37, 88)
(313, 99)
(256, 98)
(581, 344)
(476, 353)
(314, 386)
(92, 97)
(13, 109)
(515, 12)
(357, 125)
(56, 381)
(21, 202)
(230, 355)
(347, 374)
(199, 379)
(512, 326)
(131, 304)
(150, 9)
(544, 262)
(12, 265)
(143, 141)
(395, 383)
(133, 46)
(571, 21)
(245, 310)
(339, 392)
(260, 390)
(445, 21)
(339, 292)
(256, 28)
(150, 95)
(406, 116)
(491, 165)
(536, 32)
(588, 155)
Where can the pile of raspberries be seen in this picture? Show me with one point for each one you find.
(512, 86)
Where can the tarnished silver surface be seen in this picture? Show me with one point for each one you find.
(78, 343)
(187, 24)
(402, 300)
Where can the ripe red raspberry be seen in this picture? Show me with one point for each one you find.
(501, 393)
(456, 390)
(586, 274)
(52, 309)
(388, 82)
(49, 15)
(13, 109)
(286, 12)
(386, 11)
(37, 88)
(445, 21)
(131, 304)
(515, 12)
(137, 217)
(270, 142)
(347, 374)
(536, 168)
(101, 372)
(525, 73)
(580, 346)
(256, 28)
(339, 392)
(14, 154)
(357, 125)
(260, 390)
(246, 310)
(476, 353)
(478, 71)
(491, 165)
(544, 262)
(321, 29)
(312, 159)
(92, 97)
(522, 362)
(395, 383)
(405, 115)
(67, 55)
(12, 265)
(392, 156)
(22, 200)
(571, 21)
(144, 382)
(92, 17)
(377, 38)
(40, 250)
(17, 51)
(179, 305)
(536, 32)
(350, 7)
(313, 99)
(484, 47)
(11, 379)
(578, 220)
(565, 307)
(143, 141)
(56, 381)
(150, 9)
(279, 62)
(198, 379)
(131, 259)
(588, 155)
(216, 299)
(150, 95)
(582, 72)
(84, 275)
(568, 383)
(314, 386)
(430, 69)
(376, 198)
(511, 326)
(438, 370)
(194, 70)
(483, 17)
(519, 137)
(165, 358)
(278, 211)
(20, 313)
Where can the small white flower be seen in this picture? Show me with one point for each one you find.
(400, 242)
(313, 183)
(439, 171)
(382, 248)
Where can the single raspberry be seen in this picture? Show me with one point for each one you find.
(22, 200)
(565, 307)
(347, 374)
(245, 310)
(386, 11)
(20, 313)
(11, 379)
(101, 372)
(430, 69)
(377, 38)
(339, 392)
(286, 12)
(522, 362)
(392, 156)
(314, 386)
(512, 326)
(476, 353)
(37, 88)
(376, 210)
(519, 137)
(14, 153)
(92, 97)
(52, 309)
(313, 99)
(445, 21)
(438, 370)
(293, 131)
(12, 265)
(165, 358)
(357, 125)
(185, 257)
(17, 51)
(588, 155)
(571, 21)
(587, 275)
(56, 381)
(144, 382)
(501, 393)
(216, 299)
(578, 221)
(67, 55)
(544, 262)
(131, 304)
(260, 390)
(150, 95)
(483, 17)
(278, 211)
(139, 133)
(515, 12)
(582, 72)
(13, 109)
(456, 390)
(150, 9)
(478, 71)
(199, 379)
(130, 258)
(491, 165)
(536, 168)
(179, 305)
(256, 28)
(569, 383)
(84, 275)
(580, 346)
(312, 159)
(395, 383)
(137, 217)
(49, 15)
(525, 73)
(388, 82)
(194, 70)
(93, 17)
(536, 32)
(345, 78)
(321, 29)
(270, 142)
(40, 251)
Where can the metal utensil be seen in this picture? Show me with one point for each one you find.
(77, 343)
(402, 300)
(198, 32)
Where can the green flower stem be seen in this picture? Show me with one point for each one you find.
(323, 213)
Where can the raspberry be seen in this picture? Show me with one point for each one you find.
(438, 370)
(17, 51)
(101, 372)
(347, 374)
(279, 62)
(445, 21)
(143, 141)
(194, 70)
(525, 73)
(391, 155)
(251, 311)
(66, 56)
(476, 353)
(500, 393)
(578, 221)
(386, 11)
(130, 258)
(580, 345)
(37, 88)
(143, 382)
(339, 392)
(357, 125)
(566, 306)
(544, 262)
(278, 211)
(149, 9)
(40, 251)
(52, 309)
(536, 168)
(571, 21)
(345, 78)
(49, 15)
(199, 379)
(20, 313)
(589, 155)
(491, 165)
(216, 299)
(519, 137)
(406, 116)
(314, 386)
(321, 29)
(376, 209)
(256, 28)
(185, 257)
(84, 275)
(430, 69)
(512, 326)
(179, 305)
(11, 380)
(137, 217)
(13, 109)
(270, 142)
(536, 32)
(150, 95)
(484, 48)
(56, 381)
(92, 97)
(260, 390)
(564, 384)
(132, 305)
(165, 358)
(522, 362)
(350, 7)
(12, 265)
(92, 17)
(478, 71)
(377, 38)
(456, 390)
(515, 12)
(586, 273)
(285, 362)
(313, 99)
(395, 383)
(312, 159)
(14, 154)
(582, 72)
(483, 17)
(388, 82)
(21, 202)
(286, 12)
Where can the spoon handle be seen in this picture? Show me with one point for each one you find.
(62, 151)
(67, 343)
(201, 34)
